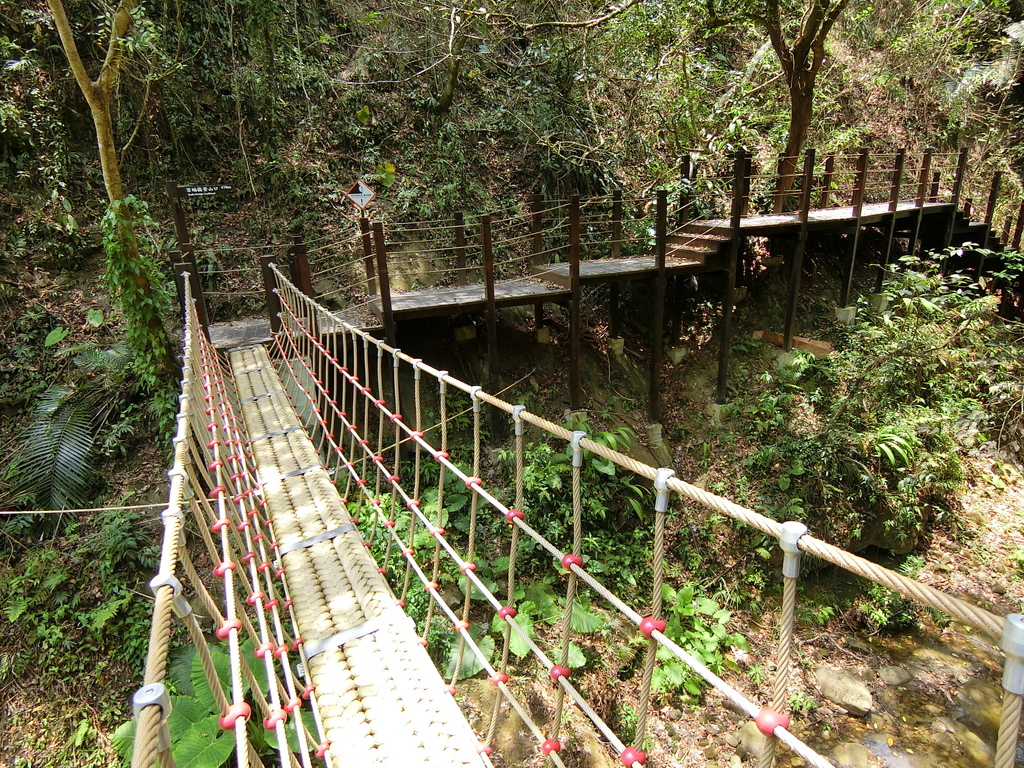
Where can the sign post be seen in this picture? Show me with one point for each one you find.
(360, 194)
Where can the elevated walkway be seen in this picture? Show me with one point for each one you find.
(381, 699)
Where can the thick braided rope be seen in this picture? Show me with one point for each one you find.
(652, 645)
(1009, 726)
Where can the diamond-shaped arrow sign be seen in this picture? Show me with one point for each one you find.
(360, 194)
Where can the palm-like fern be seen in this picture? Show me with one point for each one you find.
(54, 465)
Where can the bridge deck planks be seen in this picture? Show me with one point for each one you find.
(431, 302)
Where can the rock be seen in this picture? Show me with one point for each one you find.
(844, 689)
(675, 714)
(676, 354)
(977, 750)
(752, 743)
(851, 755)
(464, 333)
(933, 710)
(543, 335)
(981, 704)
(999, 587)
(732, 739)
(895, 676)
(856, 644)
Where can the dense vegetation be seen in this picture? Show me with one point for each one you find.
(451, 108)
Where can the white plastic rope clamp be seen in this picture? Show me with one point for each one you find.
(380, 349)
(179, 604)
(1012, 642)
(516, 410)
(789, 541)
(661, 486)
(473, 396)
(577, 452)
(395, 353)
(442, 385)
(416, 372)
(149, 695)
(171, 513)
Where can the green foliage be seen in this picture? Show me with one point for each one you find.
(700, 626)
(140, 290)
(873, 437)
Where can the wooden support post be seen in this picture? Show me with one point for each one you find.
(574, 302)
(968, 207)
(922, 197)
(366, 237)
(826, 182)
(387, 316)
(796, 268)
(778, 198)
(613, 310)
(616, 224)
(677, 309)
(748, 178)
(178, 213)
(492, 320)
(890, 230)
(1019, 229)
(1004, 236)
(736, 238)
(933, 193)
(188, 259)
(270, 292)
(853, 239)
(298, 266)
(660, 290)
(537, 228)
(990, 209)
(460, 248)
(685, 172)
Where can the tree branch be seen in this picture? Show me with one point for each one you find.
(588, 24)
(67, 39)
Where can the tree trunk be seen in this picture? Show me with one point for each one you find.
(801, 109)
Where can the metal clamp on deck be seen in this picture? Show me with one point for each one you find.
(275, 434)
(262, 395)
(292, 546)
(302, 471)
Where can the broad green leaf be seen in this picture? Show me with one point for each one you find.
(187, 713)
(470, 663)
(179, 668)
(56, 336)
(124, 740)
(94, 317)
(577, 658)
(585, 621)
(204, 746)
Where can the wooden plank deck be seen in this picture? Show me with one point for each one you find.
(601, 271)
(431, 302)
(256, 330)
(817, 219)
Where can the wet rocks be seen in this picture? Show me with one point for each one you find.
(845, 690)
(851, 755)
(895, 676)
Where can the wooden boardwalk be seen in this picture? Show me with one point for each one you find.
(818, 219)
(467, 299)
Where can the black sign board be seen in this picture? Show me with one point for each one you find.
(205, 190)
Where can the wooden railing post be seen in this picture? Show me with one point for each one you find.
(738, 186)
(460, 248)
(796, 269)
(894, 198)
(298, 266)
(537, 227)
(826, 181)
(574, 302)
(660, 289)
(178, 214)
(685, 173)
(616, 250)
(492, 319)
(367, 241)
(270, 292)
(387, 315)
(854, 237)
(922, 198)
(990, 210)
(1019, 229)
(933, 193)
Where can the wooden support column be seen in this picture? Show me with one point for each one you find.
(492, 320)
(366, 237)
(922, 198)
(298, 266)
(990, 209)
(797, 265)
(574, 302)
(958, 185)
(735, 242)
(1019, 229)
(387, 316)
(613, 310)
(853, 239)
(537, 228)
(270, 292)
(460, 248)
(826, 182)
(660, 290)
(616, 224)
(677, 309)
(890, 230)
(178, 214)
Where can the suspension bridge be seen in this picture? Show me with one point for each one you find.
(307, 511)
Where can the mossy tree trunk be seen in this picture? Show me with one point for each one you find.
(99, 94)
